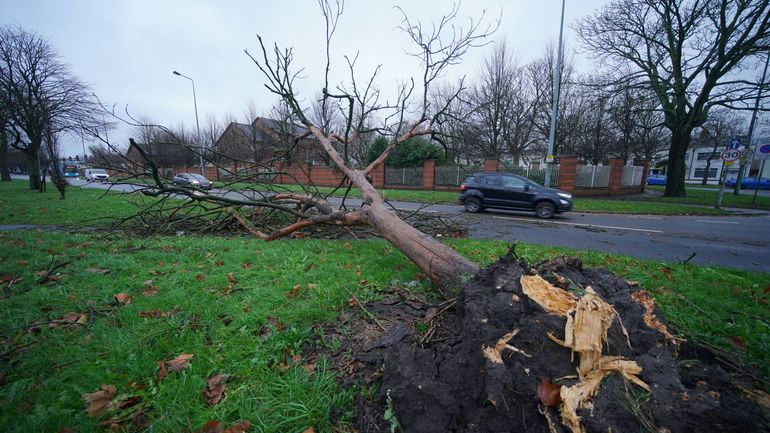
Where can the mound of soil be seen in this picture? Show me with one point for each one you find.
(444, 383)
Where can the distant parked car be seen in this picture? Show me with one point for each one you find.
(656, 179)
(508, 191)
(750, 183)
(97, 175)
(192, 180)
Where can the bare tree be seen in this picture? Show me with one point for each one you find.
(688, 53)
(42, 96)
(722, 126)
(439, 46)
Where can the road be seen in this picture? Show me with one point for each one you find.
(741, 241)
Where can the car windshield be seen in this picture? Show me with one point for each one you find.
(197, 176)
(98, 171)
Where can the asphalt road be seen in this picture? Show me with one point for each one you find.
(741, 241)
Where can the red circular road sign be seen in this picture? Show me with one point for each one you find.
(731, 155)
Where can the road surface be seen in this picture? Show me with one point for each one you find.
(741, 241)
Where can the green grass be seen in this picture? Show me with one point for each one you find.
(20, 205)
(709, 198)
(226, 326)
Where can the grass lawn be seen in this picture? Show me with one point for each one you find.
(709, 198)
(19, 205)
(247, 309)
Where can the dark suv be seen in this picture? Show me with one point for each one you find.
(508, 191)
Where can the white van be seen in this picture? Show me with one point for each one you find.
(97, 175)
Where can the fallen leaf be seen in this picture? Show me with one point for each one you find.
(211, 427)
(65, 430)
(549, 393)
(352, 301)
(347, 245)
(241, 427)
(215, 389)
(180, 363)
(147, 283)
(219, 263)
(151, 291)
(231, 279)
(247, 266)
(294, 291)
(162, 371)
(737, 341)
(122, 298)
(312, 286)
(310, 267)
(155, 272)
(154, 314)
(69, 319)
(310, 368)
(98, 270)
(99, 401)
(246, 308)
(22, 262)
(200, 277)
(666, 272)
(309, 430)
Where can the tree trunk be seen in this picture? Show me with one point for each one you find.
(34, 170)
(676, 167)
(443, 265)
(5, 174)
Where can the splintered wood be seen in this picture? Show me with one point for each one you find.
(495, 354)
(585, 332)
(553, 299)
(644, 298)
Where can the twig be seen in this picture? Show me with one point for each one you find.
(684, 262)
(51, 269)
(367, 312)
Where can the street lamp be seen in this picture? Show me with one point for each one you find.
(197, 125)
(549, 157)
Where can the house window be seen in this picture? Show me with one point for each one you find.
(704, 156)
(699, 172)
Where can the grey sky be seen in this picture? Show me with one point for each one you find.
(126, 50)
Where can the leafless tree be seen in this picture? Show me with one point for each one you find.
(689, 53)
(722, 126)
(42, 96)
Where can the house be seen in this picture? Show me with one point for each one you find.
(265, 141)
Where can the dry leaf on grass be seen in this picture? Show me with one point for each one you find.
(309, 430)
(162, 371)
(122, 298)
(294, 291)
(70, 319)
(200, 277)
(100, 401)
(217, 427)
(215, 389)
(154, 314)
(98, 270)
(231, 278)
(180, 363)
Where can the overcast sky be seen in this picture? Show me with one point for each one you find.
(126, 50)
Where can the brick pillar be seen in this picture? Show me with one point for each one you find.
(490, 166)
(616, 174)
(428, 174)
(211, 173)
(567, 173)
(233, 168)
(378, 176)
(645, 172)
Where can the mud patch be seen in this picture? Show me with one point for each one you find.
(445, 383)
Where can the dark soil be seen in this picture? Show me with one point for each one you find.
(444, 383)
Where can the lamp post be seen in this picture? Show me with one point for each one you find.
(549, 157)
(197, 125)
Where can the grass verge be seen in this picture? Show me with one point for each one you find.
(246, 309)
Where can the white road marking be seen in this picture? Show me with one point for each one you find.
(639, 217)
(717, 222)
(581, 225)
(416, 210)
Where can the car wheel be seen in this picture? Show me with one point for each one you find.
(545, 209)
(472, 204)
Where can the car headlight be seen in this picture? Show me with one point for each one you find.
(564, 195)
